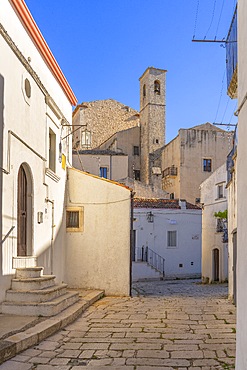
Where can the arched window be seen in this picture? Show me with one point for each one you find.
(157, 87)
(144, 91)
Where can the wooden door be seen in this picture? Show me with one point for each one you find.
(22, 213)
(216, 264)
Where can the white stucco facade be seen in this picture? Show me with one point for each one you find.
(34, 109)
(241, 354)
(98, 256)
(183, 224)
(214, 251)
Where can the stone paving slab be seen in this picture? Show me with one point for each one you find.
(177, 325)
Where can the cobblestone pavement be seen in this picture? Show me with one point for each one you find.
(165, 325)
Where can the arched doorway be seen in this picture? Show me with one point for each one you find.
(216, 264)
(24, 212)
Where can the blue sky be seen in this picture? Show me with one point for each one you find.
(104, 46)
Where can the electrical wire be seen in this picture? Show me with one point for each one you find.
(197, 11)
(217, 28)
(225, 110)
(221, 92)
(212, 19)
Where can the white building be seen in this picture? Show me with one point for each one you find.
(214, 229)
(241, 355)
(42, 220)
(168, 234)
(35, 116)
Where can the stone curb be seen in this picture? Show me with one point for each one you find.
(12, 345)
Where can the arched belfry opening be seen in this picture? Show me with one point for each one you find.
(157, 87)
(24, 211)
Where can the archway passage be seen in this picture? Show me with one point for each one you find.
(22, 213)
(216, 264)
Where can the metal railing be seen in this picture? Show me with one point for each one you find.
(146, 254)
(170, 171)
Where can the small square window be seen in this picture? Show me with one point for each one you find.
(74, 219)
(136, 150)
(180, 265)
(207, 165)
(103, 172)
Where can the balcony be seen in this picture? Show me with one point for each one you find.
(170, 172)
(232, 58)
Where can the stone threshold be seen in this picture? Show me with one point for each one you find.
(38, 329)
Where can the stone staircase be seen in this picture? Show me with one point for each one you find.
(34, 294)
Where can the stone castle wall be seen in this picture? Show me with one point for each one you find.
(103, 118)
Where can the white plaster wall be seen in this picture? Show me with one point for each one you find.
(210, 238)
(241, 361)
(232, 227)
(24, 132)
(154, 235)
(99, 256)
(18, 33)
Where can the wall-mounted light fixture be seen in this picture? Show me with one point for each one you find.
(150, 217)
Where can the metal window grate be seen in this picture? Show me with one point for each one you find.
(72, 219)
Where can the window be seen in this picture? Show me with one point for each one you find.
(220, 225)
(220, 191)
(157, 87)
(171, 239)
(172, 196)
(207, 165)
(27, 87)
(144, 91)
(136, 150)
(103, 172)
(86, 138)
(74, 219)
(52, 150)
(137, 175)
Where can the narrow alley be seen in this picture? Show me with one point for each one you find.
(179, 324)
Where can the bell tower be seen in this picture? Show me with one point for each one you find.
(152, 117)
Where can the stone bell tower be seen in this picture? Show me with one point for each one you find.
(152, 119)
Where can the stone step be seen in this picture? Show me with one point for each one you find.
(28, 272)
(49, 308)
(41, 282)
(38, 295)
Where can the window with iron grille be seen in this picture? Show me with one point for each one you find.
(220, 225)
(171, 239)
(74, 219)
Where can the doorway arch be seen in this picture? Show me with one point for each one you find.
(24, 211)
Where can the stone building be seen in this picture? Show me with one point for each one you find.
(110, 125)
(94, 122)
(191, 158)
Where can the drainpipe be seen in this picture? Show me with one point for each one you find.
(52, 232)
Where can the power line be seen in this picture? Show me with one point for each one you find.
(197, 11)
(222, 6)
(223, 79)
(212, 18)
